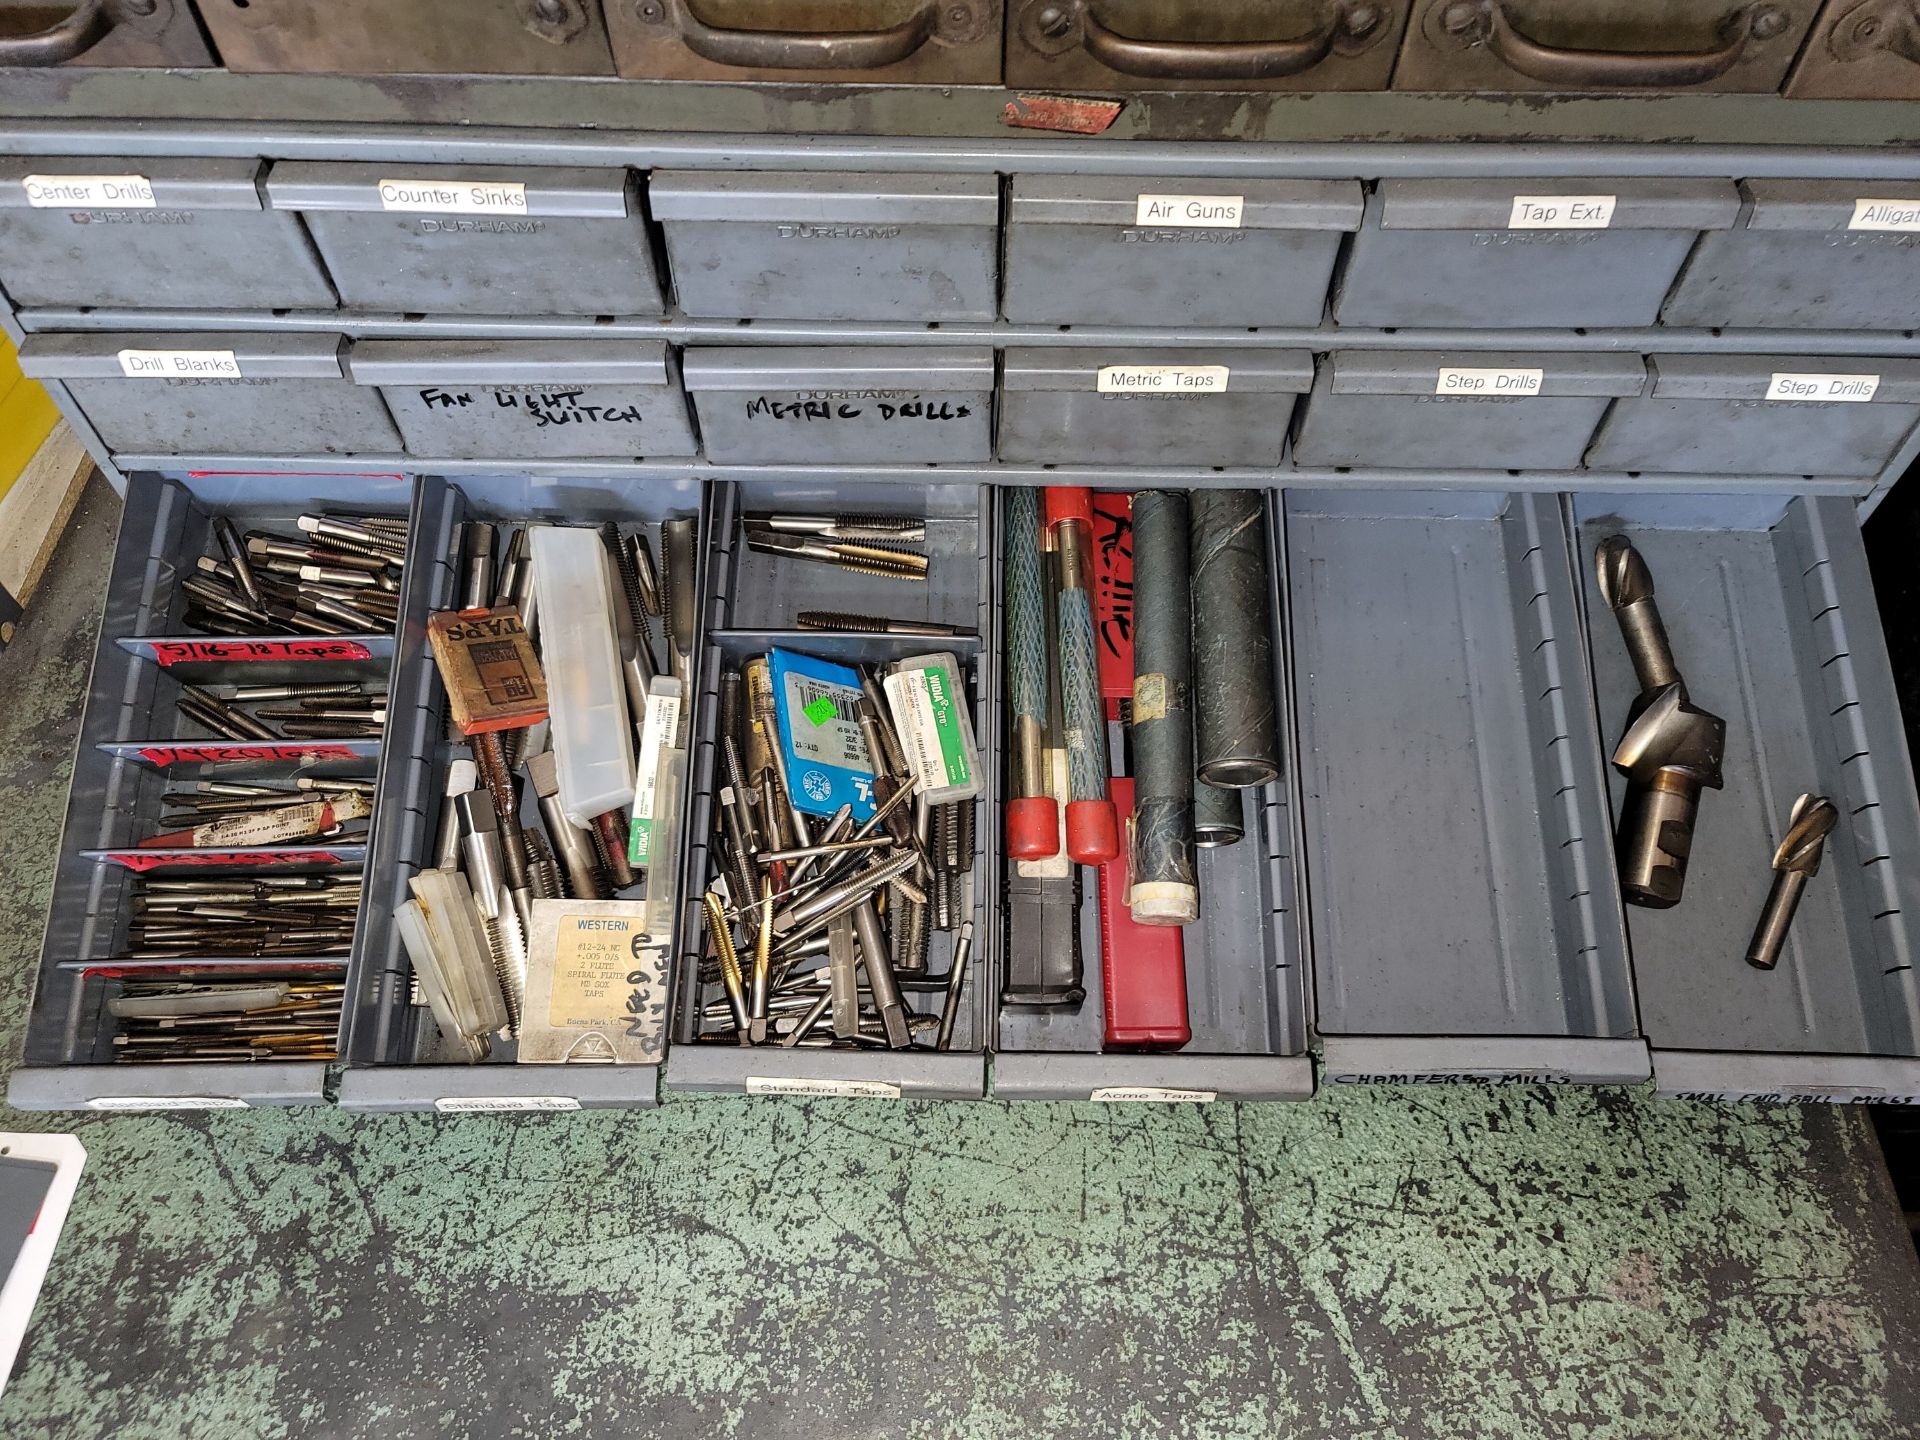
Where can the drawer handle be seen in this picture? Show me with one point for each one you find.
(72, 35)
(1468, 23)
(1892, 26)
(795, 50)
(1347, 26)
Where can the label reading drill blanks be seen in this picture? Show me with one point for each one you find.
(1174, 381)
(927, 712)
(817, 705)
(1885, 215)
(1472, 381)
(89, 192)
(657, 734)
(1191, 212)
(479, 1105)
(457, 197)
(843, 1089)
(1153, 1094)
(1822, 389)
(179, 364)
(1561, 212)
(139, 1104)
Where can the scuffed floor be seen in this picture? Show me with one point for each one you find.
(1449, 1262)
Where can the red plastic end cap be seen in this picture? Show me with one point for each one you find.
(1093, 831)
(1033, 828)
(1068, 502)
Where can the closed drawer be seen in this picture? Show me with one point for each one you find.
(1809, 254)
(172, 234)
(1465, 916)
(530, 399)
(1763, 415)
(786, 246)
(1149, 407)
(476, 240)
(1296, 45)
(1771, 616)
(1859, 50)
(411, 37)
(877, 42)
(212, 394)
(1105, 250)
(1504, 253)
(1497, 410)
(1712, 46)
(878, 406)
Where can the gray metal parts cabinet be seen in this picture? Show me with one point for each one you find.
(1428, 894)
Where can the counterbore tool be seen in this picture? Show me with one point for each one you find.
(1795, 863)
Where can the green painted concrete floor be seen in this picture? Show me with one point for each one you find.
(1448, 1262)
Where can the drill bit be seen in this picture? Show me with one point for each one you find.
(846, 623)
(1672, 749)
(1795, 863)
(679, 544)
(721, 934)
(870, 557)
(843, 527)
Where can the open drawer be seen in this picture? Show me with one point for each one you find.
(1772, 619)
(1466, 922)
(757, 603)
(117, 893)
(1244, 959)
(396, 1056)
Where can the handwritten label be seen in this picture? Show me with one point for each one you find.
(481, 1105)
(1822, 389)
(1488, 382)
(540, 408)
(1153, 1094)
(135, 1104)
(840, 1089)
(89, 192)
(1162, 379)
(771, 408)
(1885, 215)
(180, 652)
(164, 755)
(1191, 212)
(133, 860)
(1449, 1077)
(455, 197)
(1816, 1096)
(179, 365)
(1561, 212)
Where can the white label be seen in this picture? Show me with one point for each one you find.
(454, 197)
(1488, 382)
(1885, 215)
(127, 1104)
(474, 1106)
(1822, 389)
(661, 726)
(854, 1089)
(89, 192)
(179, 364)
(1163, 379)
(1561, 212)
(1191, 212)
(1154, 1094)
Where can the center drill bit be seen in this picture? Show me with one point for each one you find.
(1672, 749)
(1795, 863)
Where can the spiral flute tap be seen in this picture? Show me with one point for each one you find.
(1795, 863)
(1672, 749)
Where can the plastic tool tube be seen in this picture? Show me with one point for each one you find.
(1033, 818)
(1236, 730)
(1164, 890)
(1093, 831)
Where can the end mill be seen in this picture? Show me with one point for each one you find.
(1795, 863)
(1672, 749)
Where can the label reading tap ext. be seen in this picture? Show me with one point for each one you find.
(1173, 380)
(454, 197)
(1472, 381)
(1561, 212)
(179, 364)
(1822, 389)
(89, 192)
(1191, 212)
(1885, 215)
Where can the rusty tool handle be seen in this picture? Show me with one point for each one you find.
(67, 38)
(804, 50)
(1227, 59)
(1486, 22)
